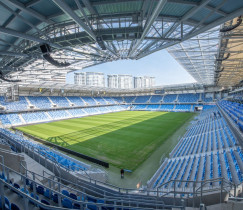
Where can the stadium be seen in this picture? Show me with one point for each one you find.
(70, 146)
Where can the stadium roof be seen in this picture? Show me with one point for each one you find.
(90, 32)
(229, 62)
(213, 57)
(198, 54)
(63, 89)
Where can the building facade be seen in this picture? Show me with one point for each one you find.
(120, 81)
(112, 81)
(144, 82)
(96, 79)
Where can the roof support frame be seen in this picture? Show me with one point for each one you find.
(63, 6)
(195, 33)
(149, 23)
(32, 3)
(26, 36)
(16, 14)
(11, 18)
(13, 54)
(35, 14)
(89, 7)
(83, 13)
(209, 15)
(176, 24)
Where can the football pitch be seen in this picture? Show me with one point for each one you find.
(123, 139)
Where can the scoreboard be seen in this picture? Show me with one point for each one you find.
(159, 91)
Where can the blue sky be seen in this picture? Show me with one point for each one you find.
(161, 65)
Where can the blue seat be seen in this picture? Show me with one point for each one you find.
(40, 190)
(44, 202)
(107, 208)
(16, 186)
(7, 203)
(73, 196)
(31, 186)
(90, 199)
(25, 191)
(14, 207)
(92, 207)
(2, 176)
(65, 192)
(100, 201)
(66, 203)
(35, 197)
(55, 198)
(76, 206)
(47, 194)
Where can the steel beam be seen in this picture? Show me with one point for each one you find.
(14, 54)
(149, 23)
(63, 6)
(184, 18)
(83, 13)
(195, 33)
(30, 11)
(32, 3)
(209, 15)
(89, 7)
(11, 18)
(26, 36)
(23, 19)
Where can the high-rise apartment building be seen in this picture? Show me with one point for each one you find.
(144, 82)
(90, 79)
(120, 81)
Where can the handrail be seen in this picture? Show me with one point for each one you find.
(62, 166)
(93, 181)
(127, 200)
(10, 152)
(26, 171)
(2, 158)
(52, 175)
(27, 146)
(53, 160)
(85, 203)
(194, 183)
(221, 179)
(118, 199)
(113, 187)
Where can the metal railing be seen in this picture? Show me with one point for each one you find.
(56, 187)
(104, 188)
(198, 189)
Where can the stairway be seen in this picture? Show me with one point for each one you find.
(192, 108)
(28, 101)
(22, 119)
(49, 116)
(69, 101)
(149, 99)
(50, 100)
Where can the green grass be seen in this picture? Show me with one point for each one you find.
(124, 139)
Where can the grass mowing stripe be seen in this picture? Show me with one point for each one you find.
(124, 139)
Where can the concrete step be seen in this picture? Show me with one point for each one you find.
(37, 168)
(22, 119)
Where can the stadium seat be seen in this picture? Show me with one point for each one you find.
(44, 202)
(14, 207)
